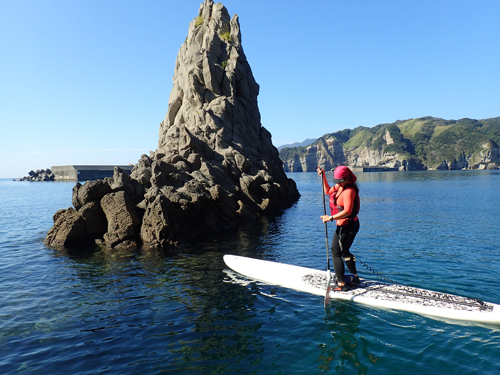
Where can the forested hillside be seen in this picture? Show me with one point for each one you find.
(423, 143)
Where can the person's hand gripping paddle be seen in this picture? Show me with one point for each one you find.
(328, 274)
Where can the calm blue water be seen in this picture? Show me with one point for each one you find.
(155, 313)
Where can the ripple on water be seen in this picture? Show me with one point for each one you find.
(150, 312)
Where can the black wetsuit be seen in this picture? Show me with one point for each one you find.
(340, 252)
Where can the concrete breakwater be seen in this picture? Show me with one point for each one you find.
(38, 175)
(86, 172)
(74, 173)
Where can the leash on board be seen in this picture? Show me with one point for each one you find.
(415, 291)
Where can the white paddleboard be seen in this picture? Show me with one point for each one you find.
(369, 292)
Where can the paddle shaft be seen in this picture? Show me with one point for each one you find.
(326, 226)
(328, 276)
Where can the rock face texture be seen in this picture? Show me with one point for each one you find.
(215, 166)
(416, 144)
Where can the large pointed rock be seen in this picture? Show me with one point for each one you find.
(215, 166)
(212, 134)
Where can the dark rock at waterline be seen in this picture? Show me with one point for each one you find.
(103, 210)
(68, 229)
(215, 166)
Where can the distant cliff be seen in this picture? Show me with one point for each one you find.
(415, 144)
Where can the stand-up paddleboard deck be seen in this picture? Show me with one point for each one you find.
(369, 292)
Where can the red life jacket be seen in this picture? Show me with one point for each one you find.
(335, 209)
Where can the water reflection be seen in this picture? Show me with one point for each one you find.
(348, 353)
(177, 301)
(152, 312)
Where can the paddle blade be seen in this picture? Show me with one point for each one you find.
(328, 288)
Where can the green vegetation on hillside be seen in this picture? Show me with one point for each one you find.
(426, 140)
(361, 138)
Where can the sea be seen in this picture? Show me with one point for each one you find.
(182, 311)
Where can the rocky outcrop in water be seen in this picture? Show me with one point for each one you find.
(416, 144)
(39, 175)
(215, 166)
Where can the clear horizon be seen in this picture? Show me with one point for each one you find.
(88, 82)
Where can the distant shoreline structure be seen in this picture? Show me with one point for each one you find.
(86, 172)
(74, 173)
(99, 172)
(373, 169)
(376, 168)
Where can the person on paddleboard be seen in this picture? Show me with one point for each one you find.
(344, 208)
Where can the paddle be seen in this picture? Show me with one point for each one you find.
(328, 275)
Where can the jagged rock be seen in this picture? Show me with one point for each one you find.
(123, 218)
(74, 197)
(156, 230)
(95, 220)
(142, 171)
(68, 229)
(72, 227)
(91, 191)
(215, 163)
(215, 166)
(122, 182)
(38, 175)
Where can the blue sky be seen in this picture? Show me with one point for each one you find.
(88, 81)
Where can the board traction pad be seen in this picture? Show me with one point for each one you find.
(403, 294)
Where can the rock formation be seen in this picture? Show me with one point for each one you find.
(416, 144)
(38, 175)
(215, 166)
